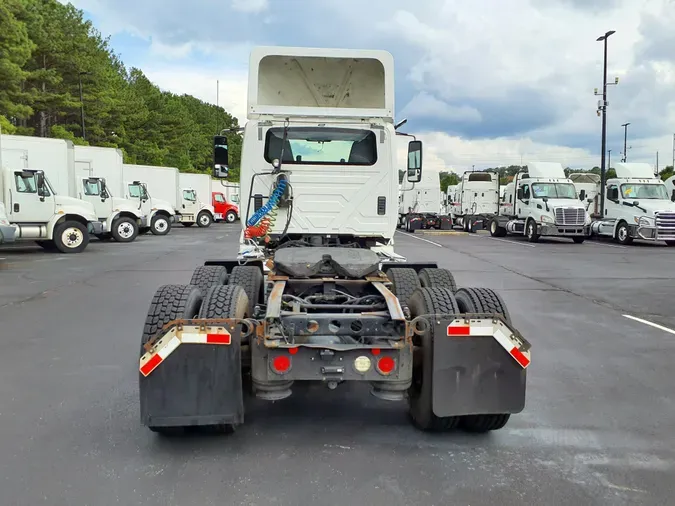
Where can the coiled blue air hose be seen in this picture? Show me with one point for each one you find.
(271, 203)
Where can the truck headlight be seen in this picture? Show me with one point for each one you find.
(645, 221)
(545, 218)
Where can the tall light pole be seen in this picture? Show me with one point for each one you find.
(625, 138)
(84, 133)
(609, 159)
(602, 107)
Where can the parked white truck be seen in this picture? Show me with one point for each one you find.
(7, 231)
(587, 186)
(98, 179)
(151, 186)
(637, 206)
(195, 200)
(36, 209)
(541, 202)
(475, 200)
(420, 204)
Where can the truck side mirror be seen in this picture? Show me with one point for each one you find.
(103, 190)
(582, 195)
(221, 166)
(40, 182)
(414, 161)
(672, 196)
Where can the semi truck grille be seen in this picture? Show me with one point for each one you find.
(665, 226)
(570, 216)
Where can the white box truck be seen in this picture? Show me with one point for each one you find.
(195, 200)
(154, 188)
(475, 200)
(99, 180)
(419, 204)
(638, 205)
(541, 202)
(34, 184)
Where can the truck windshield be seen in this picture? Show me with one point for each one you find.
(218, 197)
(91, 188)
(644, 191)
(554, 190)
(322, 146)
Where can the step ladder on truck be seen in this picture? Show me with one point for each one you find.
(317, 293)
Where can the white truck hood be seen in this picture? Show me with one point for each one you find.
(162, 204)
(75, 206)
(653, 206)
(553, 203)
(125, 205)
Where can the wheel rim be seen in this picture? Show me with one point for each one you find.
(530, 229)
(204, 220)
(623, 233)
(493, 227)
(72, 237)
(230, 217)
(125, 230)
(160, 225)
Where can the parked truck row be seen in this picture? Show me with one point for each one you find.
(59, 195)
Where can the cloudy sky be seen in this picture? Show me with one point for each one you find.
(486, 82)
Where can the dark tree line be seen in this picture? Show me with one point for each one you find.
(47, 49)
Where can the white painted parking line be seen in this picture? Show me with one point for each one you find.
(420, 239)
(505, 240)
(607, 245)
(651, 324)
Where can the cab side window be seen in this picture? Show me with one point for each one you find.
(613, 192)
(25, 183)
(526, 192)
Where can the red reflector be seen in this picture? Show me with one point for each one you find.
(375, 351)
(218, 339)
(458, 330)
(520, 358)
(386, 364)
(292, 351)
(281, 363)
(150, 365)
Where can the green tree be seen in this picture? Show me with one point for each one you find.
(15, 51)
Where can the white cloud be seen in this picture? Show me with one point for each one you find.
(249, 5)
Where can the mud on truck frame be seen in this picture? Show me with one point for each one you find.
(296, 306)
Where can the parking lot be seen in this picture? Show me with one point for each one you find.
(597, 428)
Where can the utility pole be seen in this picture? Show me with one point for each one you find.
(602, 107)
(657, 162)
(84, 133)
(609, 159)
(625, 138)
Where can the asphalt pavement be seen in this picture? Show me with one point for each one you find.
(597, 428)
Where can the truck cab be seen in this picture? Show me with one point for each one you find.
(160, 214)
(475, 200)
(638, 205)
(541, 202)
(224, 210)
(37, 213)
(121, 218)
(191, 210)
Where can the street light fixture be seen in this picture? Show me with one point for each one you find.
(80, 74)
(625, 137)
(602, 108)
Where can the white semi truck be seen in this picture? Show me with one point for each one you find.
(317, 294)
(475, 200)
(419, 204)
(35, 209)
(587, 186)
(196, 195)
(541, 202)
(638, 205)
(98, 179)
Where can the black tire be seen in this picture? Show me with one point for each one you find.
(226, 301)
(160, 224)
(187, 223)
(71, 237)
(47, 245)
(623, 234)
(251, 280)
(143, 230)
(531, 231)
(482, 300)
(404, 281)
(495, 229)
(420, 402)
(670, 243)
(124, 229)
(204, 219)
(206, 276)
(170, 302)
(578, 240)
(437, 278)
(230, 217)
(104, 237)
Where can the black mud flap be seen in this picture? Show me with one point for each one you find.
(473, 376)
(446, 223)
(197, 384)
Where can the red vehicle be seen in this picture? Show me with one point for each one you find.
(224, 210)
